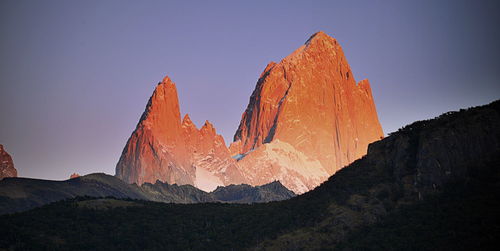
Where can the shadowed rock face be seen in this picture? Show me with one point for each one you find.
(6, 164)
(164, 148)
(306, 119)
(274, 191)
(457, 150)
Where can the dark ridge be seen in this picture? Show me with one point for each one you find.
(433, 185)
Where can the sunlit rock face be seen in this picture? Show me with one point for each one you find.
(6, 164)
(164, 148)
(306, 119)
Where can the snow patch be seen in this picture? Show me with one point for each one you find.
(206, 180)
(290, 158)
(279, 160)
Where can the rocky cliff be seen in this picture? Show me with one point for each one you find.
(164, 148)
(6, 164)
(306, 118)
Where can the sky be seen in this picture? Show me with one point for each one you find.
(75, 76)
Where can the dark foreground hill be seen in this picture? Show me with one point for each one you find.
(21, 194)
(434, 184)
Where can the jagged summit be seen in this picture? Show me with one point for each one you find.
(309, 108)
(318, 44)
(318, 36)
(208, 127)
(167, 80)
(167, 149)
(307, 118)
(186, 121)
(6, 164)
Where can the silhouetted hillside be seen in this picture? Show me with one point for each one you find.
(416, 186)
(21, 194)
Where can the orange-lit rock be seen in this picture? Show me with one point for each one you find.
(306, 119)
(166, 149)
(6, 164)
(74, 175)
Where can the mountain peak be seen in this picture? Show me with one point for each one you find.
(163, 108)
(283, 118)
(320, 45)
(208, 126)
(319, 36)
(166, 89)
(306, 119)
(6, 164)
(166, 80)
(164, 147)
(187, 120)
(322, 42)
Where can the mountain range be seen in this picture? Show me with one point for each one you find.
(309, 148)
(306, 119)
(21, 194)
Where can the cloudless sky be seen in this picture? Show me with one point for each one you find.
(75, 76)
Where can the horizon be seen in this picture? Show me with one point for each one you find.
(75, 80)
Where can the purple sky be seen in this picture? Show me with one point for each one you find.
(75, 76)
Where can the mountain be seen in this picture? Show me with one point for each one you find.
(164, 148)
(243, 193)
(439, 164)
(432, 185)
(21, 194)
(273, 191)
(6, 164)
(306, 118)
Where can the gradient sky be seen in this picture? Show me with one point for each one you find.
(75, 76)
